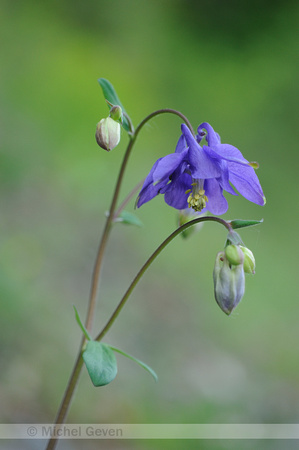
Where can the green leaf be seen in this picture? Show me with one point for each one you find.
(142, 364)
(128, 219)
(100, 362)
(112, 97)
(87, 335)
(238, 223)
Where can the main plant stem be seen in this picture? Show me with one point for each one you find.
(72, 383)
(104, 240)
(68, 395)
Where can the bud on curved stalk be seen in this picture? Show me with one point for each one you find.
(116, 113)
(249, 260)
(108, 133)
(229, 283)
(234, 254)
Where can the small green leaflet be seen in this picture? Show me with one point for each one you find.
(99, 359)
(87, 335)
(142, 364)
(100, 362)
(128, 219)
(112, 97)
(238, 223)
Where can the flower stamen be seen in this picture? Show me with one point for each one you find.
(197, 199)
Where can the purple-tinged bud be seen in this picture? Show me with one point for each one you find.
(108, 133)
(249, 260)
(229, 283)
(234, 254)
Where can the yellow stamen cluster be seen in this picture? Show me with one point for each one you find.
(197, 200)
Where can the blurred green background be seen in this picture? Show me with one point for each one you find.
(231, 63)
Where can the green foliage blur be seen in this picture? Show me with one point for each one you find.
(231, 63)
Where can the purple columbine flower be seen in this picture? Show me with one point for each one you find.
(195, 176)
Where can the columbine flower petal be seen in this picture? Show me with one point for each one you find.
(168, 165)
(202, 166)
(149, 189)
(212, 137)
(224, 178)
(226, 152)
(217, 203)
(181, 145)
(247, 183)
(196, 176)
(176, 192)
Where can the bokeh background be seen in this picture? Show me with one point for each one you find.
(231, 63)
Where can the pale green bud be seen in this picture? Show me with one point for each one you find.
(108, 133)
(249, 260)
(116, 113)
(234, 254)
(229, 283)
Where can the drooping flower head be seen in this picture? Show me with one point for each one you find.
(229, 282)
(195, 176)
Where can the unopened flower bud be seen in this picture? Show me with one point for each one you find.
(108, 133)
(249, 260)
(234, 254)
(116, 113)
(229, 283)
